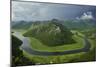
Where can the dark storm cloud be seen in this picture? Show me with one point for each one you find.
(31, 11)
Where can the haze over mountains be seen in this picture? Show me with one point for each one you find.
(71, 24)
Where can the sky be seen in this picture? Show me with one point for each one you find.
(34, 11)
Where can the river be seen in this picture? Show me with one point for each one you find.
(26, 47)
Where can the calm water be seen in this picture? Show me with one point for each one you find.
(26, 47)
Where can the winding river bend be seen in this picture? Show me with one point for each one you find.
(26, 47)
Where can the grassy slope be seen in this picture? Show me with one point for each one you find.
(69, 58)
(51, 34)
(37, 45)
(52, 59)
(89, 56)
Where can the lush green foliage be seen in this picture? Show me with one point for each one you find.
(37, 45)
(51, 34)
(43, 34)
(17, 54)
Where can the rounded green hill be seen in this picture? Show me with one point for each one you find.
(50, 33)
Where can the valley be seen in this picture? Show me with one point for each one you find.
(38, 44)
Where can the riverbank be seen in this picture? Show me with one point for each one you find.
(26, 47)
(44, 57)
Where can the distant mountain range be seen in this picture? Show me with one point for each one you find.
(21, 24)
(80, 24)
(71, 24)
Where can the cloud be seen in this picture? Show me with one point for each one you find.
(32, 11)
(26, 11)
(85, 16)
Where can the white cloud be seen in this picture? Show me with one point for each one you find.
(85, 16)
(25, 10)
